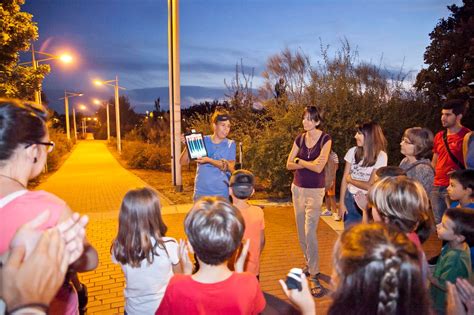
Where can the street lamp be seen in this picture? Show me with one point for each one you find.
(81, 107)
(66, 97)
(97, 102)
(117, 108)
(66, 58)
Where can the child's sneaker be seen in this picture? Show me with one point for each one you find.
(336, 217)
(326, 213)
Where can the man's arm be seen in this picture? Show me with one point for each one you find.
(434, 160)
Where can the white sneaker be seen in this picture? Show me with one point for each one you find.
(326, 213)
(336, 217)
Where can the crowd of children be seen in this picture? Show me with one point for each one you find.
(379, 265)
(381, 260)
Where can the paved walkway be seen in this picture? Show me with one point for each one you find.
(91, 181)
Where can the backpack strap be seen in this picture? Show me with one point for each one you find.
(451, 155)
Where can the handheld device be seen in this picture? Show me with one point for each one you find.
(195, 144)
(293, 279)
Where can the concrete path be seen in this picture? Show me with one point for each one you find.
(92, 182)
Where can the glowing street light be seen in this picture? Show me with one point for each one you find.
(65, 58)
(114, 83)
(66, 97)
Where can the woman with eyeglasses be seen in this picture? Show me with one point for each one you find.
(24, 146)
(417, 147)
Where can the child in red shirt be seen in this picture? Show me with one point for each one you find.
(214, 229)
(241, 189)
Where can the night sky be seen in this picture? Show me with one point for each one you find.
(128, 38)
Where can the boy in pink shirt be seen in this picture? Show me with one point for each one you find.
(241, 189)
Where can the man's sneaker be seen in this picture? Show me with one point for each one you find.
(336, 217)
(327, 213)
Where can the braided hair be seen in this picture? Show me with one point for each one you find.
(377, 271)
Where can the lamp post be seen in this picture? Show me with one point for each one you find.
(174, 91)
(81, 107)
(97, 102)
(117, 107)
(34, 62)
(66, 97)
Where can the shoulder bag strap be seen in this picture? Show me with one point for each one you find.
(451, 155)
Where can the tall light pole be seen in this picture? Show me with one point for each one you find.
(117, 107)
(66, 97)
(66, 58)
(174, 92)
(97, 102)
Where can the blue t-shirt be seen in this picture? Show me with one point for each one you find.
(211, 181)
(455, 204)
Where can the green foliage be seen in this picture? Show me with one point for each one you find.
(345, 90)
(129, 120)
(61, 148)
(450, 57)
(142, 155)
(17, 30)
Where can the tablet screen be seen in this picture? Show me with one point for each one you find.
(196, 146)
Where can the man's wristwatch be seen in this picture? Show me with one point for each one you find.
(296, 160)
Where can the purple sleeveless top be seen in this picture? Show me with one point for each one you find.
(305, 178)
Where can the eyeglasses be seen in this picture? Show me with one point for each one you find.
(406, 140)
(49, 144)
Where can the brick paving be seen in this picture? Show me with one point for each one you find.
(92, 182)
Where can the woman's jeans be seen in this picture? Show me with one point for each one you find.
(354, 214)
(307, 205)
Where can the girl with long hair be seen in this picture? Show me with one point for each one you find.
(359, 172)
(307, 158)
(148, 258)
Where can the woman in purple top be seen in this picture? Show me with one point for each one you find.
(307, 158)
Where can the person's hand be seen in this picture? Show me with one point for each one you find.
(204, 160)
(342, 208)
(466, 294)
(38, 278)
(183, 140)
(302, 299)
(186, 264)
(73, 232)
(454, 306)
(361, 200)
(348, 178)
(239, 264)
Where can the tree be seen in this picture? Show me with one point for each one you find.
(450, 57)
(17, 30)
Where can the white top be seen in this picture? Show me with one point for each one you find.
(146, 285)
(362, 173)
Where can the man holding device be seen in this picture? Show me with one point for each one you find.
(215, 155)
